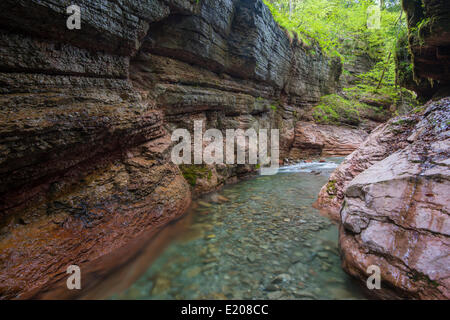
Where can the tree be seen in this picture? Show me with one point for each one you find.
(337, 25)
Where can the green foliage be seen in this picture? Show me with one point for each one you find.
(340, 28)
(355, 107)
(192, 172)
(382, 100)
(385, 96)
(403, 61)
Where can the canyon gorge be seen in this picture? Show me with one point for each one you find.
(87, 115)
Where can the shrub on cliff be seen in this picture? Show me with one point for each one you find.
(334, 109)
(354, 108)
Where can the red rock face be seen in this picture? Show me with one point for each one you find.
(77, 221)
(324, 140)
(395, 213)
(390, 196)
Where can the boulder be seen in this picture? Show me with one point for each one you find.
(395, 214)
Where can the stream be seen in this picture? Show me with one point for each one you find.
(257, 239)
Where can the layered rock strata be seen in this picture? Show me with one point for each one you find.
(382, 142)
(396, 214)
(429, 46)
(390, 195)
(390, 198)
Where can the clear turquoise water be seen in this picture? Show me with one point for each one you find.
(264, 241)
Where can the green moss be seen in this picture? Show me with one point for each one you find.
(419, 109)
(424, 29)
(331, 188)
(334, 109)
(403, 61)
(192, 172)
(401, 125)
(418, 276)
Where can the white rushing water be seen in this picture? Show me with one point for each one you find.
(309, 167)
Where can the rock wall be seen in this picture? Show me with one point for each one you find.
(429, 43)
(84, 158)
(86, 117)
(237, 72)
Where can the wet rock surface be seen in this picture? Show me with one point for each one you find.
(86, 217)
(382, 142)
(390, 195)
(324, 140)
(429, 43)
(86, 116)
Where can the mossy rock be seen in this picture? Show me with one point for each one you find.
(192, 172)
(331, 188)
(420, 277)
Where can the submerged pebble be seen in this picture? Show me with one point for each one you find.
(261, 240)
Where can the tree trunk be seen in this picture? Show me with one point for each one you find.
(290, 9)
(384, 71)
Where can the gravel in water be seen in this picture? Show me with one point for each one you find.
(258, 239)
